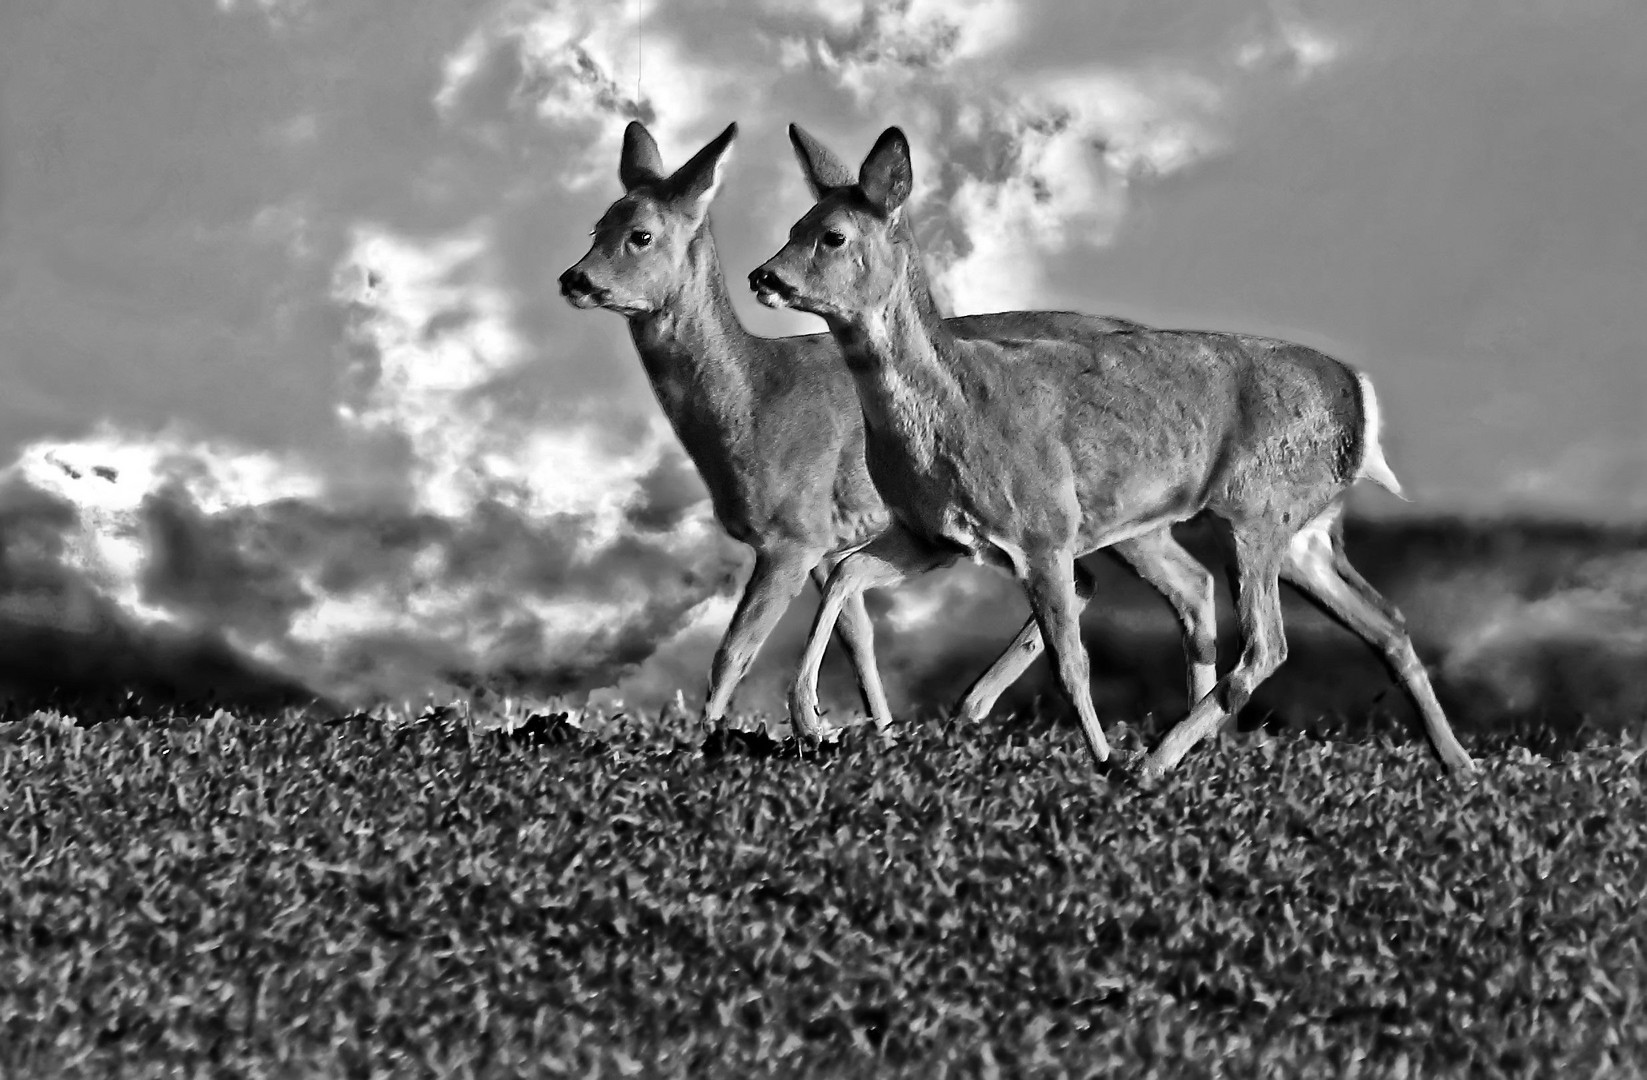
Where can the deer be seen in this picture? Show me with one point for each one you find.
(1027, 449)
(774, 428)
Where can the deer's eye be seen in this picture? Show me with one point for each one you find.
(834, 238)
(640, 238)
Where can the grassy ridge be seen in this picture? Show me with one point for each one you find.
(278, 896)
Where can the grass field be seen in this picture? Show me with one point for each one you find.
(287, 896)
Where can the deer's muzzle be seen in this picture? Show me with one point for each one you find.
(580, 291)
(770, 289)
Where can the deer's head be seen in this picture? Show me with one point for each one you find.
(641, 250)
(849, 251)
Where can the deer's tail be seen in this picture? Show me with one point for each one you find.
(1373, 466)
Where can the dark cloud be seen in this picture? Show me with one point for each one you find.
(1540, 621)
(236, 600)
(64, 641)
(669, 492)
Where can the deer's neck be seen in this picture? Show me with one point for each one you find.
(695, 351)
(905, 361)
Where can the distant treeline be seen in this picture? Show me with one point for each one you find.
(1523, 619)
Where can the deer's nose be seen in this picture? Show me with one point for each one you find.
(575, 281)
(764, 280)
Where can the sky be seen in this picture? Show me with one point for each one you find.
(284, 360)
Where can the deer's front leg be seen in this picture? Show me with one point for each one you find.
(1049, 581)
(857, 633)
(778, 575)
(887, 559)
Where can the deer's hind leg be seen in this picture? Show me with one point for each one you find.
(1260, 550)
(1187, 585)
(1163, 563)
(1352, 577)
(1316, 565)
(1010, 666)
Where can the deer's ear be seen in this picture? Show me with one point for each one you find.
(640, 162)
(886, 176)
(695, 183)
(823, 170)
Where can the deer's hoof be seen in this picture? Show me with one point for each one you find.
(1459, 764)
(806, 720)
(1150, 771)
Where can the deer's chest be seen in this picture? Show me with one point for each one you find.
(940, 485)
(721, 449)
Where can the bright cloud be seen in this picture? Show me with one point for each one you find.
(494, 546)
(282, 14)
(1287, 42)
(1054, 173)
(572, 65)
(879, 48)
(431, 327)
(1017, 164)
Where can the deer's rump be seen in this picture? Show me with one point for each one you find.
(1179, 421)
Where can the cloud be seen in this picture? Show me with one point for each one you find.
(101, 483)
(1050, 169)
(172, 561)
(1286, 42)
(431, 338)
(1571, 476)
(281, 14)
(1577, 646)
(469, 541)
(195, 541)
(1011, 165)
(576, 67)
(878, 49)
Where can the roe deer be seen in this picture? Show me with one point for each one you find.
(1031, 448)
(774, 427)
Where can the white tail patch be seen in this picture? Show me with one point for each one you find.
(1373, 466)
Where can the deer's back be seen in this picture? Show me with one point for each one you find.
(1135, 424)
(1031, 325)
(1171, 422)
